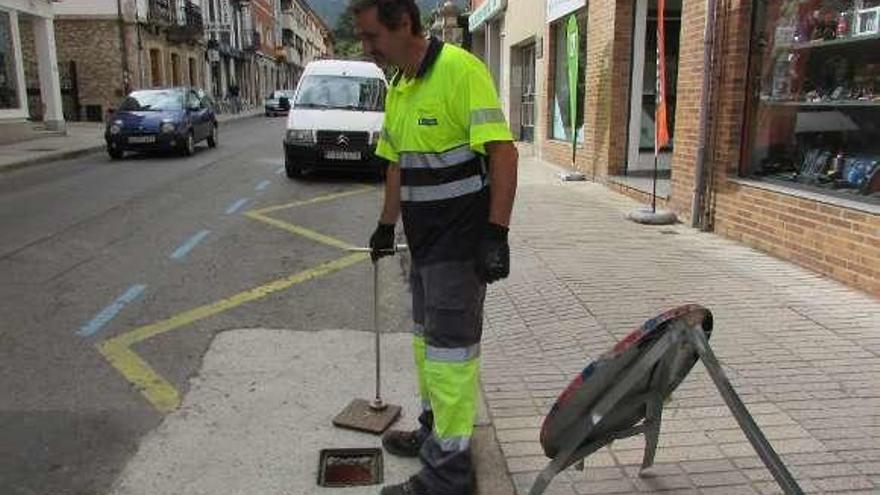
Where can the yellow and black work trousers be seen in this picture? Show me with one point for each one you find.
(448, 314)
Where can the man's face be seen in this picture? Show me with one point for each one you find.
(386, 47)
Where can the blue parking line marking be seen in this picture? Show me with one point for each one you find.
(188, 246)
(263, 185)
(234, 207)
(108, 313)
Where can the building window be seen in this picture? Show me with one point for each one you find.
(560, 120)
(193, 73)
(175, 69)
(814, 122)
(156, 67)
(8, 72)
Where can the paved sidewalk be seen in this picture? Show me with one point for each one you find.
(82, 138)
(802, 351)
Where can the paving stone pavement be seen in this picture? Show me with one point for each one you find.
(802, 351)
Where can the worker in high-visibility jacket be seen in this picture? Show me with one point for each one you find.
(452, 174)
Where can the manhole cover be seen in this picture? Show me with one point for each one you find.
(350, 467)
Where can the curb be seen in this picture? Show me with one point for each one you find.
(76, 153)
(50, 157)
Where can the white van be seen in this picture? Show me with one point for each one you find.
(335, 118)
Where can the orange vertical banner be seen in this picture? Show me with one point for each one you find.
(661, 128)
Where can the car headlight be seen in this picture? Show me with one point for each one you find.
(302, 136)
(375, 136)
(167, 127)
(115, 129)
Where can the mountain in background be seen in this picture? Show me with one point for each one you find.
(330, 10)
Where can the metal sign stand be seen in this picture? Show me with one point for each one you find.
(687, 340)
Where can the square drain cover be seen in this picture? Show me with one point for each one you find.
(350, 467)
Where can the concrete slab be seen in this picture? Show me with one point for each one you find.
(258, 414)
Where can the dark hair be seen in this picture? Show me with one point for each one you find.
(391, 12)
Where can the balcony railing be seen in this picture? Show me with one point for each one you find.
(160, 12)
(190, 26)
(252, 41)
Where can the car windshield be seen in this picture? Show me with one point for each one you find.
(350, 93)
(152, 101)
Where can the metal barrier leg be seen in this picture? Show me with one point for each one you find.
(653, 414)
(746, 422)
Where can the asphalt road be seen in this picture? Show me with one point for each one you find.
(163, 249)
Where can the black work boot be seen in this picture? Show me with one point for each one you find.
(412, 486)
(403, 443)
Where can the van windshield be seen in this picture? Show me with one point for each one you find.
(343, 92)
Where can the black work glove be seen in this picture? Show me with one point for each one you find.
(382, 241)
(493, 259)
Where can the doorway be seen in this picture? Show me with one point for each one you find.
(643, 89)
(527, 93)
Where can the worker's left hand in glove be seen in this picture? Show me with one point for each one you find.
(493, 259)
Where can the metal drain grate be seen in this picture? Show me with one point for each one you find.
(350, 467)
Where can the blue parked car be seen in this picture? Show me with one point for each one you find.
(161, 120)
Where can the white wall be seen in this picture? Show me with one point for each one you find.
(86, 7)
(524, 21)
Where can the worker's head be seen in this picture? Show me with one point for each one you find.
(386, 29)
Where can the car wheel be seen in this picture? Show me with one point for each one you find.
(189, 145)
(115, 153)
(212, 139)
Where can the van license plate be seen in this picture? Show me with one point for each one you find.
(142, 139)
(342, 155)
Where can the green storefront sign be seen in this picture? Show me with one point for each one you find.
(572, 42)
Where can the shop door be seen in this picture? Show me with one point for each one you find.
(69, 91)
(527, 96)
(644, 83)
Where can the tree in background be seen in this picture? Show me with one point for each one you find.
(347, 46)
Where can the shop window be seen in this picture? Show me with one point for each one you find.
(560, 120)
(815, 119)
(8, 72)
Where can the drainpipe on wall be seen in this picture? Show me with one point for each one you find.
(701, 173)
(126, 73)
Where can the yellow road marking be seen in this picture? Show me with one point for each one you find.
(319, 199)
(298, 230)
(161, 394)
(158, 392)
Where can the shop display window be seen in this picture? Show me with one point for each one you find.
(560, 127)
(814, 122)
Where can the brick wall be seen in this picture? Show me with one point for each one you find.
(836, 241)
(96, 49)
(689, 91)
